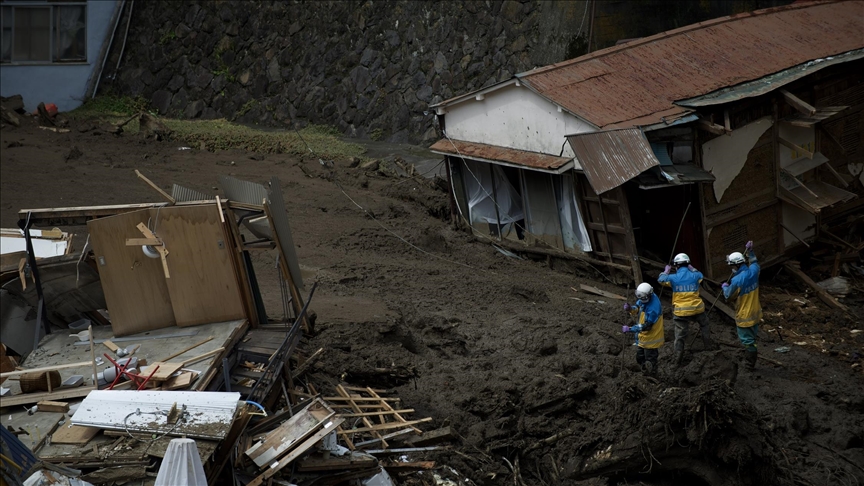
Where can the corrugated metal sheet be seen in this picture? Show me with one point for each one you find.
(243, 191)
(283, 229)
(771, 82)
(638, 82)
(183, 194)
(612, 158)
(494, 153)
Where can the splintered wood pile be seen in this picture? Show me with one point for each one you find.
(365, 406)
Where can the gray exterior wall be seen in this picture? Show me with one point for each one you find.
(62, 84)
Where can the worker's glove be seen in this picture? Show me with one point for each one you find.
(626, 309)
(667, 269)
(690, 267)
(625, 328)
(725, 284)
(749, 245)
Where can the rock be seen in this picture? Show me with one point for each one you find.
(176, 82)
(161, 100)
(194, 109)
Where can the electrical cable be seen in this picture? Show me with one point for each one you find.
(138, 411)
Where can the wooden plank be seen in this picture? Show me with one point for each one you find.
(387, 426)
(596, 291)
(712, 127)
(431, 437)
(204, 356)
(183, 381)
(178, 353)
(155, 187)
(203, 287)
(143, 241)
(372, 414)
(49, 406)
(629, 238)
(361, 399)
(134, 285)
(798, 103)
(110, 345)
(24, 398)
(57, 215)
(794, 147)
(164, 372)
(163, 252)
(836, 175)
(9, 374)
(611, 228)
(823, 295)
(74, 434)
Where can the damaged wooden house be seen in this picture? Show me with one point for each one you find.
(745, 127)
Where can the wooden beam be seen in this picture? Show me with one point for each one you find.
(23, 398)
(794, 147)
(711, 127)
(794, 235)
(143, 241)
(721, 306)
(155, 187)
(9, 374)
(837, 175)
(823, 295)
(727, 125)
(603, 293)
(798, 103)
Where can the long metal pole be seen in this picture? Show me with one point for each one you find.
(675, 243)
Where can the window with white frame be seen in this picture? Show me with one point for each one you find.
(43, 31)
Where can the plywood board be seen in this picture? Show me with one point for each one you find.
(134, 285)
(202, 287)
(74, 434)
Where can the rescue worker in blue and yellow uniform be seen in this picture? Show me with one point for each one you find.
(744, 285)
(687, 305)
(649, 328)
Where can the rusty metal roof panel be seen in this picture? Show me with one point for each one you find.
(613, 157)
(638, 82)
(495, 153)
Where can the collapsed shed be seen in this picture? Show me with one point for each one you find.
(753, 121)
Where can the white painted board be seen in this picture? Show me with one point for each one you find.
(209, 414)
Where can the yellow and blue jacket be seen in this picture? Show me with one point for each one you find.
(685, 291)
(745, 285)
(650, 327)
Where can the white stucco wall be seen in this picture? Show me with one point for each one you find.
(61, 84)
(514, 117)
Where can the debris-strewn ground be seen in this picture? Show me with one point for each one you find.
(541, 388)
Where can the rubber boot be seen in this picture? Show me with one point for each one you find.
(650, 369)
(678, 358)
(750, 359)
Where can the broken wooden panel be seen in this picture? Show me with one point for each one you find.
(208, 415)
(203, 287)
(136, 292)
(813, 196)
(292, 432)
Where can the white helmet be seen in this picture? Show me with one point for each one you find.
(682, 259)
(643, 291)
(735, 258)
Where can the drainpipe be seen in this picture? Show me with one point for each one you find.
(108, 51)
(591, 26)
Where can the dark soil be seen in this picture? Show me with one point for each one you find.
(541, 388)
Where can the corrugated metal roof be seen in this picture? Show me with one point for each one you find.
(612, 158)
(243, 191)
(184, 194)
(496, 154)
(638, 82)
